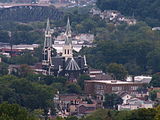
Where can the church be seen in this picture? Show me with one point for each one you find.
(66, 64)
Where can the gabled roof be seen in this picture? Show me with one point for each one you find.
(72, 65)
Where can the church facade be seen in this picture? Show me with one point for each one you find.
(66, 64)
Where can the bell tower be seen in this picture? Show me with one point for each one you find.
(47, 49)
(67, 47)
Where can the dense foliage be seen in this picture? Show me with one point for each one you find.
(14, 112)
(112, 100)
(104, 114)
(146, 10)
(136, 47)
(155, 82)
(29, 13)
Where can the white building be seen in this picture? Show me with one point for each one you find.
(135, 103)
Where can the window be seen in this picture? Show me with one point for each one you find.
(134, 87)
(116, 88)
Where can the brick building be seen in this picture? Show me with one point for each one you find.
(101, 87)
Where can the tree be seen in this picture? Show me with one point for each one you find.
(112, 100)
(24, 70)
(155, 82)
(142, 114)
(81, 80)
(100, 114)
(139, 8)
(14, 112)
(157, 116)
(154, 60)
(73, 88)
(118, 70)
(3, 68)
(153, 95)
(26, 58)
(71, 118)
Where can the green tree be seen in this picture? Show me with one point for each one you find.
(3, 68)
(100, 114)
(142, 114)
(14, 112)
(71, 118)
(155, 82)
(81, 80)
(112, 100)
(73, 88)
(24, 70)
(118, 70)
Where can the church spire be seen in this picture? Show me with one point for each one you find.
(48, 36)
(48, 25)
(68, 33)
(68, 48)
(68, 28)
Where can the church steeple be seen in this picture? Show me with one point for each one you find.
(47, 49)
(68, 48)
(48, 25)
(68, 29)
(48, 36)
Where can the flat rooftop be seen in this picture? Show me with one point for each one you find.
(112, 82)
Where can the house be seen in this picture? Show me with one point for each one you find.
(73, 104)
(125, 96)
(135, 103)
(86, 108)
(113, 16)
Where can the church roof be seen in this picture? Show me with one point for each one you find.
(60, 61)
(72, 65)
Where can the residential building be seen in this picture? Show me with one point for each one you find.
(125, 96)
(113, 16)
(135, 103)
(73, 104)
